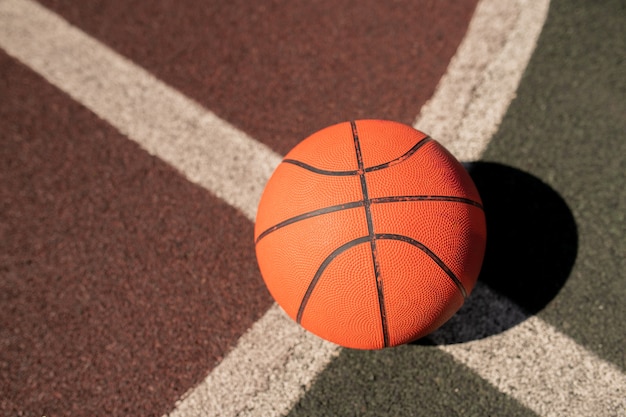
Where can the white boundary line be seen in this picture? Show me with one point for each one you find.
(542, 368)
(482, 78)
(207, 149)
(271, 367)
(275, 361)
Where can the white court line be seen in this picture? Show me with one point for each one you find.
(482, 78)
(274, 362)
(209, 151)
(543, 369)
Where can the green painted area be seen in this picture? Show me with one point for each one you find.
(568, 128)
(410, 380)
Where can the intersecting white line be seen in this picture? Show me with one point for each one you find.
(272, 365)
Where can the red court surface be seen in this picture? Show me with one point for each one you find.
(281, 70)
(124, 284)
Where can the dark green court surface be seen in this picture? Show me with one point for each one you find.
(566, 129)
(409, 380)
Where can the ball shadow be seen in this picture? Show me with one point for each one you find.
(532, 242)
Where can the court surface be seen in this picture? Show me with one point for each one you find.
(135, 141)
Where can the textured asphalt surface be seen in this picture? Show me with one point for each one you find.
(565, 134)
(122, 284)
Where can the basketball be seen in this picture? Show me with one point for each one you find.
(370, 234)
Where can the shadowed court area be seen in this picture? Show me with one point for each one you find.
(532, 242)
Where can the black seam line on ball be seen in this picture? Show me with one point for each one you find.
(402, 157)
(365, 239)
(308, 215)
(360, 203)
(443, 198)
(319, 170)
(322, 268)
(372, 236)
(430, 253)
(349, 173)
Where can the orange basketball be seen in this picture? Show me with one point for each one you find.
(370, 234)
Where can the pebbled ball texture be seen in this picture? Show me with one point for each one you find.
(370, 234)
